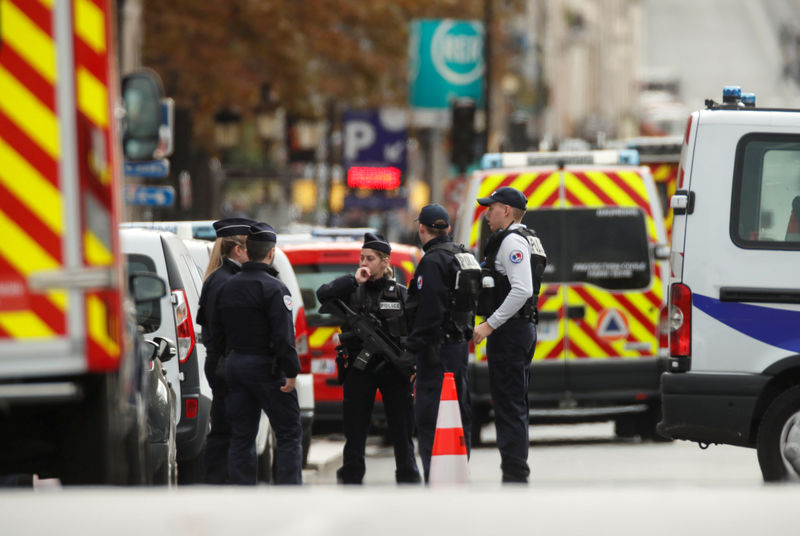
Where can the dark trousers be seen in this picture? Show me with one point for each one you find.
(509, 350)
(359, 388)
(218, 439)
(251, 388)
(452, 358)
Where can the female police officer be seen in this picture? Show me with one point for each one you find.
(372, 292)
(226, 261)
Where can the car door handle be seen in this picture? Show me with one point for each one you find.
(576, 312)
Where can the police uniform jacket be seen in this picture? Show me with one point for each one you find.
(254, 316)
(208, 296)
(383, 297)
(428, 295)
(513, 260)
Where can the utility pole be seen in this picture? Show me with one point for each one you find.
(487, 75)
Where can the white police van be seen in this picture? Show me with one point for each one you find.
(734, 371)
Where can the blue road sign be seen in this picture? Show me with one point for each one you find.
(151, 169)
(154, 196)
(375, 138)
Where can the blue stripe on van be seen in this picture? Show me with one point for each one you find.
(776, 327)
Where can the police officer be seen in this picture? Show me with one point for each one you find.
(439, 343)
(253, 322)
(374, 293)
(515, 259)
(226, 260)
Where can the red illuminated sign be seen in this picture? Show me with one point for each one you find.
(374, 178)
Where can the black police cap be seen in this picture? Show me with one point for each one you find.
(262, 232)
(506, 195)
(431, 213)
(377, 242)
(232, 227)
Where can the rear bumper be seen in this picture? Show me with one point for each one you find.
(582, 391)
(710, 408)
(191, 433)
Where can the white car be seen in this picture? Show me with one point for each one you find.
(164, 254)
(265, 441)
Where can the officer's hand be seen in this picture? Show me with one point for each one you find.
(288, 387)
(363, 274)
(481, 331)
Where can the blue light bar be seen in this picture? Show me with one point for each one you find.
(731, 93)
(749, 99)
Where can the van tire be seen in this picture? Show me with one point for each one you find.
(782, 412)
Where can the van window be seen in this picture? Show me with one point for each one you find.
(148, 314)
(607, 246)
(765, 212)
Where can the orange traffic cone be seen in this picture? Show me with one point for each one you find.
(449, 456)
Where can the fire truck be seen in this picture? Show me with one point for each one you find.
(70, 392)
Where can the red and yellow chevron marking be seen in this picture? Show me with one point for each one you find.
(578, 339)
(623, 188)
(31, 206)
(32, 211)
(99, 203)
(666, 173)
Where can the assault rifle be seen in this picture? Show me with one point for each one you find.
(373, 339)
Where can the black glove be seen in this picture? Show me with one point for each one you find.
(406, 364)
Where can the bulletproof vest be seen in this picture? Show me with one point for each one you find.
(463, 296)
(386, 306)
(493, 294)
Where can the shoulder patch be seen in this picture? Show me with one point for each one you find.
(516, 256)
(419, 282)
(287, 301)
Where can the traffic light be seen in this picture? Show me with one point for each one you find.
(462, 133)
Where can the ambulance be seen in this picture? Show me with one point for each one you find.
(734, 339)
(71, 394)
(600, 220)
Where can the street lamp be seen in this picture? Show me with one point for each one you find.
(270, 120)
(227, 129)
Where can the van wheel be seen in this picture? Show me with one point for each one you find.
(778, 442)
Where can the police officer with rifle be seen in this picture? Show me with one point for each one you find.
(514, 261)
(372, 307)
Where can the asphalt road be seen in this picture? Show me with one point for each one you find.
(584, 482)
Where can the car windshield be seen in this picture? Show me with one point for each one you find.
(312, 276)
(607, 246)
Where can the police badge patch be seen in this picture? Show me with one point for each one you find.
(419, 282)
(516, 256)
(287, 301)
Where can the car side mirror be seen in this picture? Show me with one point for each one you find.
(165, 348)
(309, 298)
